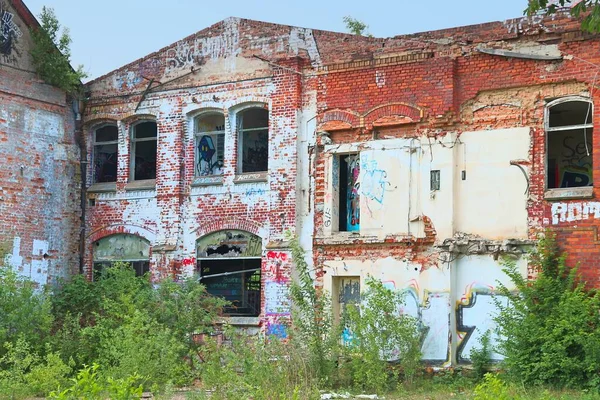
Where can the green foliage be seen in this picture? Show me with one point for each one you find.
(493, 388)
(380, 333)
(481, 356)
(50, 53)
(355, 26)
(24, 373)
(24, 311)
(313, 324)
(89, 384)
(549, 330)
(588, 9)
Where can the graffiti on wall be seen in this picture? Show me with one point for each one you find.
(576, 168)
(433, 314)
(352, 194)
(10, 33)
(276, 292)
(474, 316)
(130, 78)
(575, 211)
(374, 181)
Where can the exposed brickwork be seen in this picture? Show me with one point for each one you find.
(39, 171)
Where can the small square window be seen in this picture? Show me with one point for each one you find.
(434, 182)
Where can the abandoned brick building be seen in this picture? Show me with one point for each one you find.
(420, 160)
(39, 160)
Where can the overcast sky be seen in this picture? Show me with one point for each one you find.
(109, 33)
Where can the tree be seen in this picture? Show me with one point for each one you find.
(50, 53)
(589, 9)
(356, 27)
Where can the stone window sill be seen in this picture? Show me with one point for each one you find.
(586, 192)
(240, 321)
(147, 184)
(251, 177)
(208, 180)
(337, 238)
(103, 187)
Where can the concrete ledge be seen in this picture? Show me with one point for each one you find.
(586, 192)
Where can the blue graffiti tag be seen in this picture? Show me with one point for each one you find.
(374, 181)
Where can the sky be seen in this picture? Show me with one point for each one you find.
(108, 34)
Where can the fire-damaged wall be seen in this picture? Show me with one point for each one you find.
(39, 167)
(439, 155)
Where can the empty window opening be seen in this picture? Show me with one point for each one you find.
(229, 264)
(104, 154)
(349, 196)
(210, 144)
(144, 150)
(254, 140)
(129, 249)
(569, 144)
(434, 182)
(237, 281)
(346, 291)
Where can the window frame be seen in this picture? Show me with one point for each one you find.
(197, 135)
(132, 147)
(95, 144)
(240, 136)
(568, 192)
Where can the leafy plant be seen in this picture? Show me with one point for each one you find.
(493, 388)
(481, 356)
(589, 10)
(549, 329)
(24, 311)
(379, 334)
(355, 26)
(50, 53)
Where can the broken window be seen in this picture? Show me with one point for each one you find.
(129, 249)
(210, 144)
(229, 264)
(349, 196)
(569, 143)
(143, 149)
(253, 140)
(104, 154)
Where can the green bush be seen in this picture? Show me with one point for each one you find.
(493, 388)
(24, 373)
(550, 329)
(24, 311)
(380, 333)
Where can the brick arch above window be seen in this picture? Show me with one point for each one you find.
(393, 114)
(237, 223)
(333, 120)
(128, 229)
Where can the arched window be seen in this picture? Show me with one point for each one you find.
(209, 131)
(131, 249)
(104, 154)
(253, 140)
(143, 150)
(569, 144)
(229, 265)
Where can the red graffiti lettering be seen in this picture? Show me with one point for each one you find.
(188, 261)
(277, 255)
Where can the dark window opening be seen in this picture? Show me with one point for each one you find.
(254, 140)
(569, 145)
(210, 144)
(105, 154)
(349, 195)
(144, 150)
(140, 267)
(235, 280)
(434, 181)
